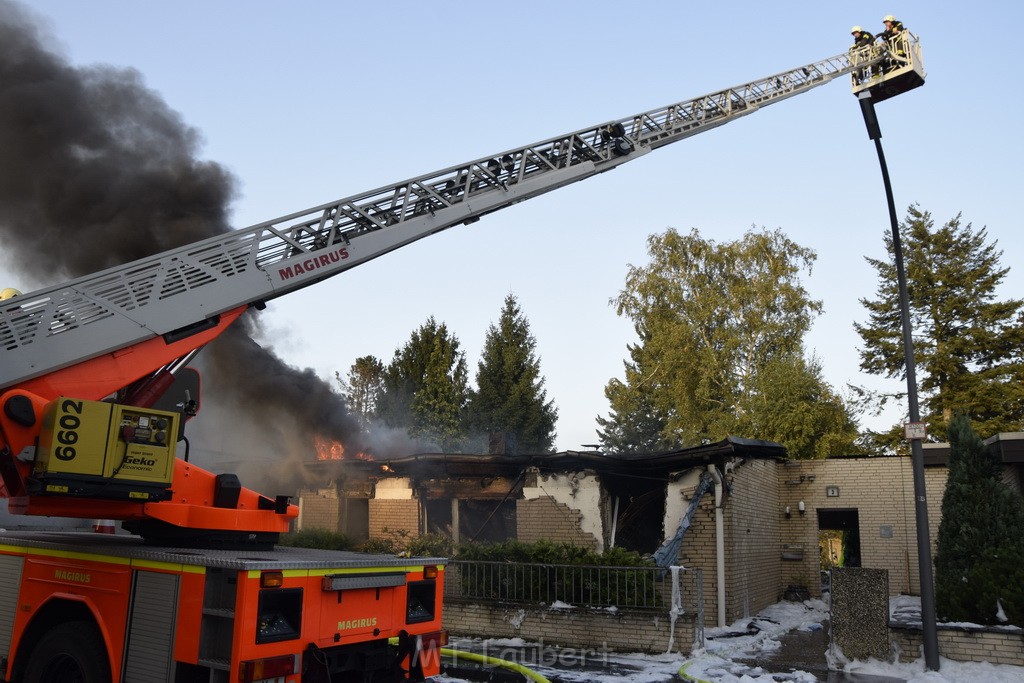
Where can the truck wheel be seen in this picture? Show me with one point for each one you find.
(73, 652)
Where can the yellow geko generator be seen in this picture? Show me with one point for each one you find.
(104, 449)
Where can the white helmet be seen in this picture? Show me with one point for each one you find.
(856, 29)
(889, 17)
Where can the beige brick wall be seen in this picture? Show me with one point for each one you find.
(698, 552)
(752, 568)
(982, 645)
(319, 510)
(881, 489)
(547, 519)
(752, 536)
(594, 630)
(799, 533)
(396, 516)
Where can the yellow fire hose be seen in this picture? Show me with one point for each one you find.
(485, 659)
(686, 676)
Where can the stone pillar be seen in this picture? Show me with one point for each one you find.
(860, 613)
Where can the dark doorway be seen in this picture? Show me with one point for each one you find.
(839, 538)
(355, 518)
(439, 516)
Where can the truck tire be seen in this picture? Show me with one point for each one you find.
(72, 652)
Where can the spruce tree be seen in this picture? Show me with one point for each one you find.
(510, 397)
(425, 387)
(968, 345)
(635, 424)
(363, 386)
(979, 561)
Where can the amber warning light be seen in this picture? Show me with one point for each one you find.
(268, 668)
(271, 580)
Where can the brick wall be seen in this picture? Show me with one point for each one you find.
(581, 629)
(752, 534)
(547, 519)
(963, 644)
(319, 510)
(752, 567)
(881, 490)
(395, 516)
(698, 552)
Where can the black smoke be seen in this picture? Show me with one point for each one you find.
(96, 170)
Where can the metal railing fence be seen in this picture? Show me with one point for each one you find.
(594, 586)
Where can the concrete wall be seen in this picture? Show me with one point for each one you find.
(859, 613)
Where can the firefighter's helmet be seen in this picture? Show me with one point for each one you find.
(8, 293)
(856, 29)
(889, 17)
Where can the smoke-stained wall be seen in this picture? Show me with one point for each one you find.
(562, 507)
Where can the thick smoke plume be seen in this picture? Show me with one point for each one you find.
(98, 171)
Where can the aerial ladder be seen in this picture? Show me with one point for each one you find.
(196, 594)
(129, 328)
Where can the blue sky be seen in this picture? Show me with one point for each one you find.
(310, 102)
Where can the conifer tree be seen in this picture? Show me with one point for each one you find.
(635, 424)
(425, 387)
(510, 397)
(363, 386)
(979, 560)
(968, 345)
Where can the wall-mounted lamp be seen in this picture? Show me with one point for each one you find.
(789, 513)
(801, 508)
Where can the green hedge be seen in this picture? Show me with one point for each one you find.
(321, 539)
(536, 572)
(546, 552)
(436, 545)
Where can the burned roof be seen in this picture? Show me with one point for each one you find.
(653, 464)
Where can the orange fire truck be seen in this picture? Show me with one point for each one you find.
(199, 592)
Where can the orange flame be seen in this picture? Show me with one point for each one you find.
(328, 449)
